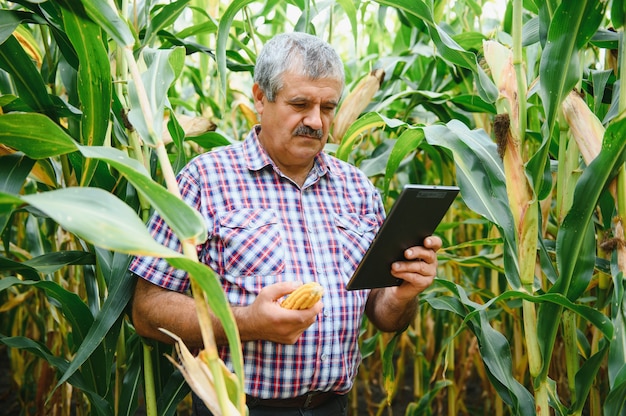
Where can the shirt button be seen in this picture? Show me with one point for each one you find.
(326, 313)
(324, 357)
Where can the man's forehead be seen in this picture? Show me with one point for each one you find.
(301, 88)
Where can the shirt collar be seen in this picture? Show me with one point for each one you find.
(257, 158)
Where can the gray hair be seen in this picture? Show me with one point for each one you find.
(300, 52)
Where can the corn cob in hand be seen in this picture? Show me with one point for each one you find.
(304, 297)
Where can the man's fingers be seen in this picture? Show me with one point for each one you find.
(278, 290)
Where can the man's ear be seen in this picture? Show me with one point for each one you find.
(259, 97)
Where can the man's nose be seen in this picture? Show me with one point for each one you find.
(313, 118)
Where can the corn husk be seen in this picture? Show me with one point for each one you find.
(192, 126)
(584, 125)
(248, 114)
(506, 127)
(355, 102)
(198, 375)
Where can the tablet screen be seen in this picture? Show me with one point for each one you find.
(414, 216)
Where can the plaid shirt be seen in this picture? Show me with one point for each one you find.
(264, 229)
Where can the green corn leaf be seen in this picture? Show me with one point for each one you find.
(49, 263)
(494, 349)
(99, 218)
(131, 383)
(480, 175)
(109, 20)
(186, 222)
(222, 36)
(617, 350)
(560, 64)
(408, 142)
(209, 140)
(14, 170)
(162, 66)
(615, 404)
(425, 404)
(555, 401)
(368, 345)
(131, 386)
(358, 128)
(618, 14)
(30, 85)
(8, 204)
(586, 377)
(35, 135)
(175, 389)
(473, 103)
(447, 303)
(588, 189)
(9, 266)
(208, 281)
(594, 316)
(496, 353)
(470, 309)
(388, 362)
(94, 74)
(419, 13)
(178, 137)
(94, 78)
(9, 21)
(120, 292)
(163, 19)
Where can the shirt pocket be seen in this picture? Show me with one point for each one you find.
(251, 243)
(355, 233)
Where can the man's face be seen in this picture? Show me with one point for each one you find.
(294, 128)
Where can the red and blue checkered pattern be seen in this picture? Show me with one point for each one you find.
(263, 229)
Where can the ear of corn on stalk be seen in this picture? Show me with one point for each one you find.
(354, 104)
(506, 129)
(303, 297)
(192, 126)
(584, 125)
(249, 114)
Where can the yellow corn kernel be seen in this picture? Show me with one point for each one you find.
(303, 297)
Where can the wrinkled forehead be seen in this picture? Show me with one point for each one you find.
(299, 83)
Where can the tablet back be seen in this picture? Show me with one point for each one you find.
(414, 216)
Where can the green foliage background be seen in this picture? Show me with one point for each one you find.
(103, 101)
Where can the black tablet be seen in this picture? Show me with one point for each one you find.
(414, 216)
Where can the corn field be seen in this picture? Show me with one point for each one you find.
(517, 102)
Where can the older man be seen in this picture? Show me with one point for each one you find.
(281, 212)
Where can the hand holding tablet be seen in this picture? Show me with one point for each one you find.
(414, 216)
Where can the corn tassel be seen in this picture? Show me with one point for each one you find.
(304, 297)
(354, 104)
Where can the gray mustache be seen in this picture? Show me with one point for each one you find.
(308, 131)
